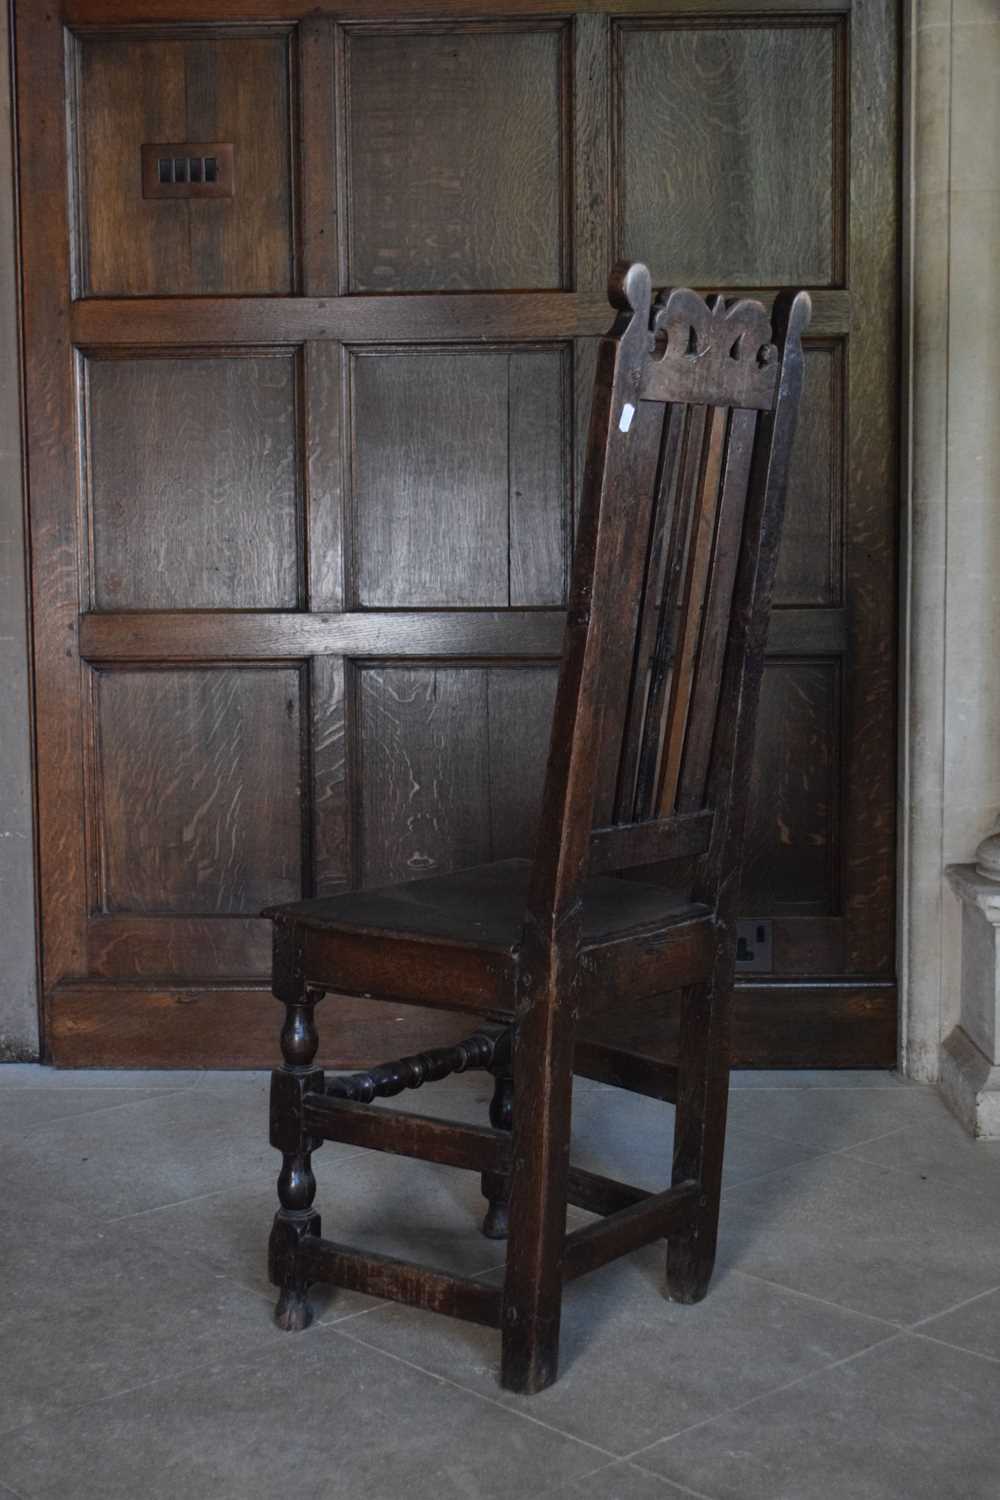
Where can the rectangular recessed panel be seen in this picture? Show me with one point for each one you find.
(728, 159)
(459, 483)
(186, 238)
(194, 483)
(810, 563)
(793, 838)
(457, 160)
(452, 760)
(198, 789)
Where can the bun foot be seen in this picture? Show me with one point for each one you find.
(495, 1225)
(293, 1312)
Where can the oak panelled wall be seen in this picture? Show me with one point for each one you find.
(304, 456)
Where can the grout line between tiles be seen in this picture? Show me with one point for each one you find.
(955, 1307)
(840, 1307)
(929, 1338)
(761, 1396)
(456, 1385)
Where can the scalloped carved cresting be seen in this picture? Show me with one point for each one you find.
(706, 351)
(711, 351)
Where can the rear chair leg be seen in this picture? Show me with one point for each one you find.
(496, 1185)
(700, 1135)
(290, 1083)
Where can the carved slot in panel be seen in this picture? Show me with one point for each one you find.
(188, 171)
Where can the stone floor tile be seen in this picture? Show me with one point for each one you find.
(888, 1243)
(147, 1153)
(909, 1420)
(832, 1119)
(939, 1148)
(23, 1109)
(366, 1199)
(38, 1075)
(815, 1078)
(90, 1312)
(620, 1481)
(634, 1366)
(321, 1416)
(631, 1137)
(975, 1325)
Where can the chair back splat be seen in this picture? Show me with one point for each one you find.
(630, 895)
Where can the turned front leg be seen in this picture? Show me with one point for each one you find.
(290, 1083)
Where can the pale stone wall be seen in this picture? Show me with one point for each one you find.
(950, 783)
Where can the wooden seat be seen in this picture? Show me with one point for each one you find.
(631, 893)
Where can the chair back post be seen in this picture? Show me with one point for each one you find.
(601, 618)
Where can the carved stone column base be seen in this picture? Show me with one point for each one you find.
(971, 1085)
(970, 1054)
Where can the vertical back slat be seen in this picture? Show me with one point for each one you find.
(660, 543)
(622, 622)
(700, 553)
(672, 606)
(711, 650)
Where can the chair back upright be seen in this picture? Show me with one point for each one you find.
(691, 427)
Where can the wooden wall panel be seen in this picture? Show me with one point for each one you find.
(728, 151)
(168, 89)
(793, 850)
(198, 784)
(810, 564)
(451, 760)
(194, 483)
(459, 478)
(457, 158)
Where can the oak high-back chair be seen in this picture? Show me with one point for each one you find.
(692, 421)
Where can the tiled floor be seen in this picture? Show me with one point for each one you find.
(849, 1348)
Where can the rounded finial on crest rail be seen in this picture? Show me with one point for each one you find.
(630, 286)
(791, 316)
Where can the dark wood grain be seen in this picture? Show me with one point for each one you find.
(430, 440)
(538, 493)
(701, 107)
(401, 1281)
(402, 1133)
(107, 12)
(332, 830)
(180, 1024)
(869, 542)
(201, 635)
(810, 566)
(793, 855)
(134, 90)
(456, 159)
(451, 764)
(193, 483)
(324, 399)
(318, 175)
(199, 776)
(57, 542)
(107, 322)
(627, 1229)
